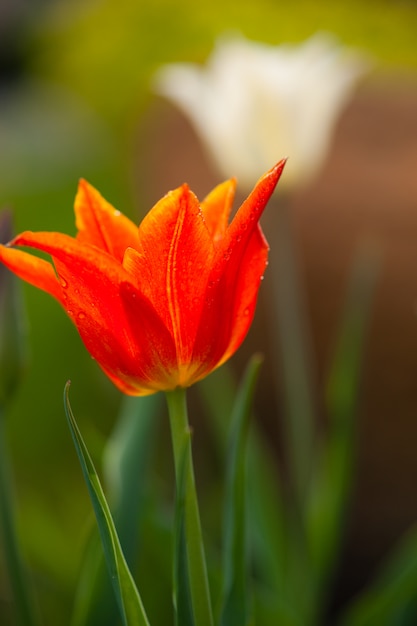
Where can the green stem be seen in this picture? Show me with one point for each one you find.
(181, 443)
(14, 562)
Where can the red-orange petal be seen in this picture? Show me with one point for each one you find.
(173, 263)
(91, 286)
(234, 280)
(101, 225)
(216, 208)
(252, 208)
(32, 269)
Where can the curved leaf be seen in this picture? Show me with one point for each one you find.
(129, 601)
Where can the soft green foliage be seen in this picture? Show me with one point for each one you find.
(236, 595)
(121, 46)
(127, 456)
(130, 604)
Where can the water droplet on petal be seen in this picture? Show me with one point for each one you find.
(81, 315)
(246, 312)
(64, 283)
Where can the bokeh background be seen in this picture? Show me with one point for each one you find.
(75, 101)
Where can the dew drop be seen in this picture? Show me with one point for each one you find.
(246, 312)
(81, 315)
(64, 283)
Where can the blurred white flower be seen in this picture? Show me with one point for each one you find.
(253, 103)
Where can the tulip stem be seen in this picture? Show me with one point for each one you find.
(14, 562)
(181, 441)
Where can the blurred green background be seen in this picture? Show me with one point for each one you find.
(74, 83)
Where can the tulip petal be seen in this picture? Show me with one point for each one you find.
(251, 259)
(101, 225)
(32, 269)
(173, 263)
(254, 205)
(234, 280)
(216, 208)
(91, 285)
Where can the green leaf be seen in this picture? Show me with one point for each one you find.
(125, 466)
(266, 503)
(127, 595)
(334, 474)
(235, 605)
(218, 392)
(269, 526)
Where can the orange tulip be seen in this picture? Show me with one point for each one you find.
(163, 305)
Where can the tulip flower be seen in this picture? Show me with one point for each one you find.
(159, 306)
(252, 100)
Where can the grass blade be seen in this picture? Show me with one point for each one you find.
(130, 604)
(235, 605)
(334, 474)
(125, 467)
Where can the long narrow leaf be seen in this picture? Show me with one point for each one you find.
(235, 608)
(130, 604)
(125, 466)
(269, 530)
(335, 471)
(266, 502)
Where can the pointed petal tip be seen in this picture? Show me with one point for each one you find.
(84, 185)
(271, 178)
(19, 240)
(278, 168)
